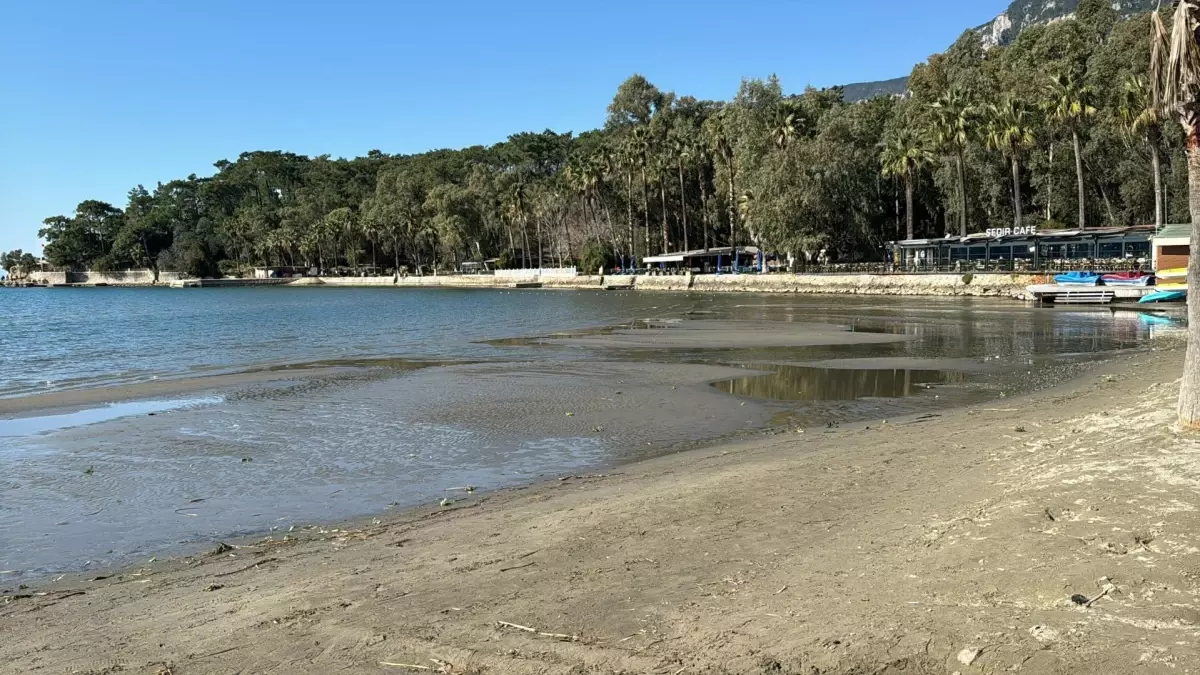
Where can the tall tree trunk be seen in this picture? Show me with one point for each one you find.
(1016, 176)
(525, 241)
(1050, 186)
(539, 243)
(629, 215)
(908, 203)
(732, 211)
(962, 195)
(703, 204)
(646, 209)
(1189, 390)
(683, 206)
(1156, 165)
(1079, 179)
(662, 190)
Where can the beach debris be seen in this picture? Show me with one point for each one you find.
(598, 429)
(557, 636)
(264, 561)
(247, 460)
(445, 502)
(89, 471)
(213, 587)
(968, 655)
(466, 488)
(518, 567)
(570, 414)
(1080, 600)
(1043, 634)
(1019, 430)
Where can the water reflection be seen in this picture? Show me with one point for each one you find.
(801, 383)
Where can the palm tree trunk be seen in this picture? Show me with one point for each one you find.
(1016, 176)
(683, 206)
(962, 195)
(539, 243)
(1079, 179)
(662, 190)
(629, 213)
(1050, 186)
(646, 209)
(732, 210)
(908, 203)
(525, 240)
(1156, 165)
(1189, 390)
(703, 204)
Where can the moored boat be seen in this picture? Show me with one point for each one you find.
(1078, 279)
(1178, 295)
(1128, 279)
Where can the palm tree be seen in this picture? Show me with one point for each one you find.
(681, 149)
(903, 154)
(518, 206)
(953, 126)
(1175, 68)
(1068, 106)
(788, 120)
(629, 158)
(718, 139)
(1010, 131)
(640, 140)
(1143, 119)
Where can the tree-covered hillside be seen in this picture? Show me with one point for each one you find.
(989, 136)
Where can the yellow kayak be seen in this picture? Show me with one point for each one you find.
(1177, 273)
(1172, 287)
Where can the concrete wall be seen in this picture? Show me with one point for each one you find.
(978, 285)
(545, 272)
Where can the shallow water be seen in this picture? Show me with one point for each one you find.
(489, 407)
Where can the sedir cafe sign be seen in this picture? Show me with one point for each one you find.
(997, 232)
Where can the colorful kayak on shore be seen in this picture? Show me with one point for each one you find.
(1164, 296)
(1176, 273)
(1078, 279)
(1128, 279)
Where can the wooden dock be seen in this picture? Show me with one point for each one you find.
(1077, 294)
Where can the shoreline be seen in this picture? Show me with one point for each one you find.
(968, 284)
(899, 545)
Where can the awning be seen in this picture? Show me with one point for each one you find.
(663, 259)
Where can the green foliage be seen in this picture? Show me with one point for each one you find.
(508, 260)
(594, 257)
(985, 135)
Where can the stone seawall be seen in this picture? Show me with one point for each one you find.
(977, 285)
(126, 278)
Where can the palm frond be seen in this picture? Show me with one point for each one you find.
(1181, 80)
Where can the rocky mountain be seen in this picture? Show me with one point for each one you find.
(1002, 30)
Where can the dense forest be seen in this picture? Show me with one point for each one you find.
(1056, 128)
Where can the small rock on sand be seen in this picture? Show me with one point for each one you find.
(968, 655)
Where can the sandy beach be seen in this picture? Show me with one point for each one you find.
(1050, 533)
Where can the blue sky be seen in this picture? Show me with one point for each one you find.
(96, 97)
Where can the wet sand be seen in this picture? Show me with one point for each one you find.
(1051, 533)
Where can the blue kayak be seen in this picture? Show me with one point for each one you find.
(1078, 278)
(1163, 296)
